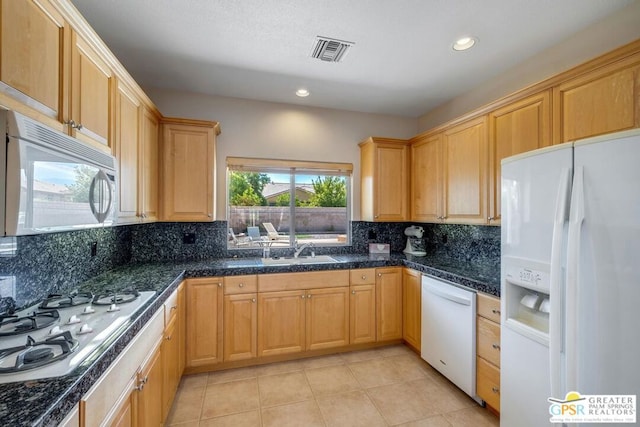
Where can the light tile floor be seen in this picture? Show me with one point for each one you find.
(388, 386)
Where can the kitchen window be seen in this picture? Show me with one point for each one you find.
(278, 203)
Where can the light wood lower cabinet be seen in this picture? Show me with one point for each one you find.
(149, 400)
(411, 307)
(327, 316)
(204, 321)
(281, 326)
(240, 326)
(362, 312)
(389, 303)
(488, 350)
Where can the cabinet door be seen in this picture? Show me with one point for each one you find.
(123, 415)
(327, 318)
(32, 54)
(281, 322)
(384, 179)
(362, 314)
(92, 85)
(149, 405)
(602, 101)
(125, 149)
(149, 166)
(411, 307)
(182, 327)
(171, 367)
(204, 321)
(240, 326)
(465, 173)
(188, 172)
(389, 303)
(517, 128)
(426, 179)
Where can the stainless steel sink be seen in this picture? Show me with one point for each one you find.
(319, 259)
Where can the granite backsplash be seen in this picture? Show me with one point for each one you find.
(59, 262)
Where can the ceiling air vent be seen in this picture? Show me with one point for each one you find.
(330, 50)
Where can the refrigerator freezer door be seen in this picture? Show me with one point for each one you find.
(606, 312)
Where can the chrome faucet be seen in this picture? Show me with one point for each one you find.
(300, 248)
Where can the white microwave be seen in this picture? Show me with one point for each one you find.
(52, 182)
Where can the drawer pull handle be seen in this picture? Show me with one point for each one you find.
(496, 346)
(174, 307)
(494, 311)
(496, 390)
(168, 338)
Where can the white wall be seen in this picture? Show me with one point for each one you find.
(281, 131)
(614, 31)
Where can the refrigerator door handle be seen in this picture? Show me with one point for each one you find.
(576, 219)
(556, 288)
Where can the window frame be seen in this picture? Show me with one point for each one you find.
(292, 168)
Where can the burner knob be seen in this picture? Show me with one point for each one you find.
(88, 310)
(55, 330)
(73, 319)
(113, 307)
(85, 329)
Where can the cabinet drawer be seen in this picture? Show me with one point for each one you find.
(170, 307)
(488, 383)
(301, 281)
(362, 276)
(240, 284)
(489, 307)
(489, 341)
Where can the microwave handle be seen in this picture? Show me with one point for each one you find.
(98, 212)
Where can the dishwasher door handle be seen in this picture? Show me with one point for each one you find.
(446, 295)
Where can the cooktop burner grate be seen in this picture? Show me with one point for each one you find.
(62, 301)
(15, 325)
(35, 354)
(116, 297)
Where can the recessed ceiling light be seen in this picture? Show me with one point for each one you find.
(302, 93)
(464, 43)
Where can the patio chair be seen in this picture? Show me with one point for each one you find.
(238, 241)
(272, 233)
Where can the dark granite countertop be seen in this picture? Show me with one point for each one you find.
(46, 402)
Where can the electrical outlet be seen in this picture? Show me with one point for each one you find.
(189, 238)
(372, 235)
(94, 248)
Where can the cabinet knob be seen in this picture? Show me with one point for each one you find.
(253, 300)
(308, 296)
(379, 274)
(353, 292)
(175, 307)
(496, 346)
(490, 218)
(209, 215)
(168, 338)
(241, 285)
(302, 296)
(375, 216)
(220, 284)
(494, 311)
(496, 390)
(364, 277)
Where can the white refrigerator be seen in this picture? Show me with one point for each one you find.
(570, 275)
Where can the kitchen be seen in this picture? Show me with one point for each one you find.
(280, 128)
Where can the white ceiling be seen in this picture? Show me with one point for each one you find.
(401, 64)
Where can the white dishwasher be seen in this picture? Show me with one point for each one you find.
(449, 332)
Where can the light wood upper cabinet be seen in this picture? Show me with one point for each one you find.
(204, 321)
(389, 303)
(602, 101)
(465, 172)
(92, 87)
(126, 149)
(426, 179)
(384, 179)
(33, 37)
(519, 127)
(149, 164)
(411, 307)
(188, 170)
